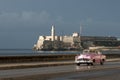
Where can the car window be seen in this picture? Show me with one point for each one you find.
(99, 52)
(85, 51)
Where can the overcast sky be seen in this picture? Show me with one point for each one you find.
(22, 21)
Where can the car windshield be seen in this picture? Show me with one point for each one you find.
(91, 52)
(85, 51)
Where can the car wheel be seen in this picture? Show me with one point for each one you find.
(101, 62)
(88, 64)
(92, 64)
(78, 64)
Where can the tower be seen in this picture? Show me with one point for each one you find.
(53, 33)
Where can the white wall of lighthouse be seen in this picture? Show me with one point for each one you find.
(53, 33)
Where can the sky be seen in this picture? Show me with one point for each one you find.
(23, 21)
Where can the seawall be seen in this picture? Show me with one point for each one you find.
(44, 58)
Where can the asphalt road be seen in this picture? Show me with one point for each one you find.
(66, 72)
(107, 74)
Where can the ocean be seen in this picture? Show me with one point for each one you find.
(30, 52)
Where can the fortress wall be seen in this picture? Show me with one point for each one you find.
(68, 39)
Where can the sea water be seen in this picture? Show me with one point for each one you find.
(30, 52)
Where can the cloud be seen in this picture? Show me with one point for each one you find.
(98, 27)
(29, 19)
(87, 21)
(8, 17)
(42, 17)
(59, 19)
(24, 18)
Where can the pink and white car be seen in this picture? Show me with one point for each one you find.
(90, 57)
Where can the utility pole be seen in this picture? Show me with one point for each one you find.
(80, 29)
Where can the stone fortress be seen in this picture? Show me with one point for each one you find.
(55, 42)
(74, 42)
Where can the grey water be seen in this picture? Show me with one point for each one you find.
(30, 52)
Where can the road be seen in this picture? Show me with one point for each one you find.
(107, 74)
(68, 72)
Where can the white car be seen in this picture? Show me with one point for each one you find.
(90, 57)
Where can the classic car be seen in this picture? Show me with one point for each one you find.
(90, 57)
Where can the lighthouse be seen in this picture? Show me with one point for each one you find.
(53, 32)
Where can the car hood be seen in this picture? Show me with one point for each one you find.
(88, 56)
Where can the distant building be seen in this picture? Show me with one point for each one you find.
(54, 42)
(94, 41)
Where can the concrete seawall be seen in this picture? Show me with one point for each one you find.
(44, 58)
(19, 62)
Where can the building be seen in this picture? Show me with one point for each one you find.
(94, 41)
(73, 42)
(55, 42)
